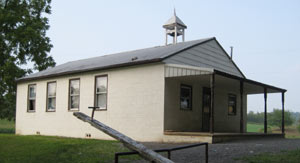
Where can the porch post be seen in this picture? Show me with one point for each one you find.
(242, 107)
(265, 119)
(212, 102)
(282, 118)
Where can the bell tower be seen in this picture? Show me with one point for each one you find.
(174, 28)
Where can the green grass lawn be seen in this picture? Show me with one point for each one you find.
(285, 156)
(7, 126)
(291, 132)
(14, 148)
(256, 127)
(253, 127)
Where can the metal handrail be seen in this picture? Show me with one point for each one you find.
(169, 150)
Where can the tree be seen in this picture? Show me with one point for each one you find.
(274, 118)
(255, 117)
(23, 40)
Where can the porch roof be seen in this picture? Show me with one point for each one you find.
(250, 86)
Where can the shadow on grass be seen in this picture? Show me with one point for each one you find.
(7, 130)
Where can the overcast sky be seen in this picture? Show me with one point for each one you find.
(265, 34)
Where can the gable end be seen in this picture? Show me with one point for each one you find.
(208, 54)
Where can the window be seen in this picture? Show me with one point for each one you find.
(231, 104)
(51, 96)
(101, 92)
(74, 92)
(31, 98)
(186, 97)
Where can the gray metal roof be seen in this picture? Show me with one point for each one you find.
(142, 56)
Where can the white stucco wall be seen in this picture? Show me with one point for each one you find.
(135, 105)
(177, 119)
(223, 121)
(182, 120)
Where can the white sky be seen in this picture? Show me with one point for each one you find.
(265, 34)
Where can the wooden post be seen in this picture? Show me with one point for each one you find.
(166, 37)
(127, 141)
(242, 107)
(175, 36)
(212, 102)
(183, 35)
(265, 119)
(282, 118)
(173, 40)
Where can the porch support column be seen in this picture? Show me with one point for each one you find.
(242, 107)
(265, 119)
(212, 102)
(282, 118)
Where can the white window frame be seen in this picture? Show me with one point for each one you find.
(101, 93)
(31, 98)
(47, 105)
(72, 95)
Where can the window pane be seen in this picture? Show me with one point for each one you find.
(32, 91)
(184, 103)
(51, 89)
(185, 97)
(51, 103)
(230, 110)
(31, 105)
(231, 104)
(101, 84)
(74, 103)
(101, 101)
(74, 84)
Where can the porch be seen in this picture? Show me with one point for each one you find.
(193, 137)
(217, 107)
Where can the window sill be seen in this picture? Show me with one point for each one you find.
(30, 111)
(50, 110)
(73, 110)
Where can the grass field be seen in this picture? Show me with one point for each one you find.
(7, 126)
(14, 148)
(290, 131)
(252, 127)
(285, 156)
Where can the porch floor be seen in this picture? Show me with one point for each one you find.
(192, 137)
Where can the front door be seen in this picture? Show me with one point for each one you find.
(206, 109)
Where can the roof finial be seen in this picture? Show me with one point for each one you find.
(174, 11)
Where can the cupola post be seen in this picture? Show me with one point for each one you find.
(174, 28)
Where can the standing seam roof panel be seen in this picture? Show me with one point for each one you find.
(159, 52)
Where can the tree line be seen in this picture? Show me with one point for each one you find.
(274, 118)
